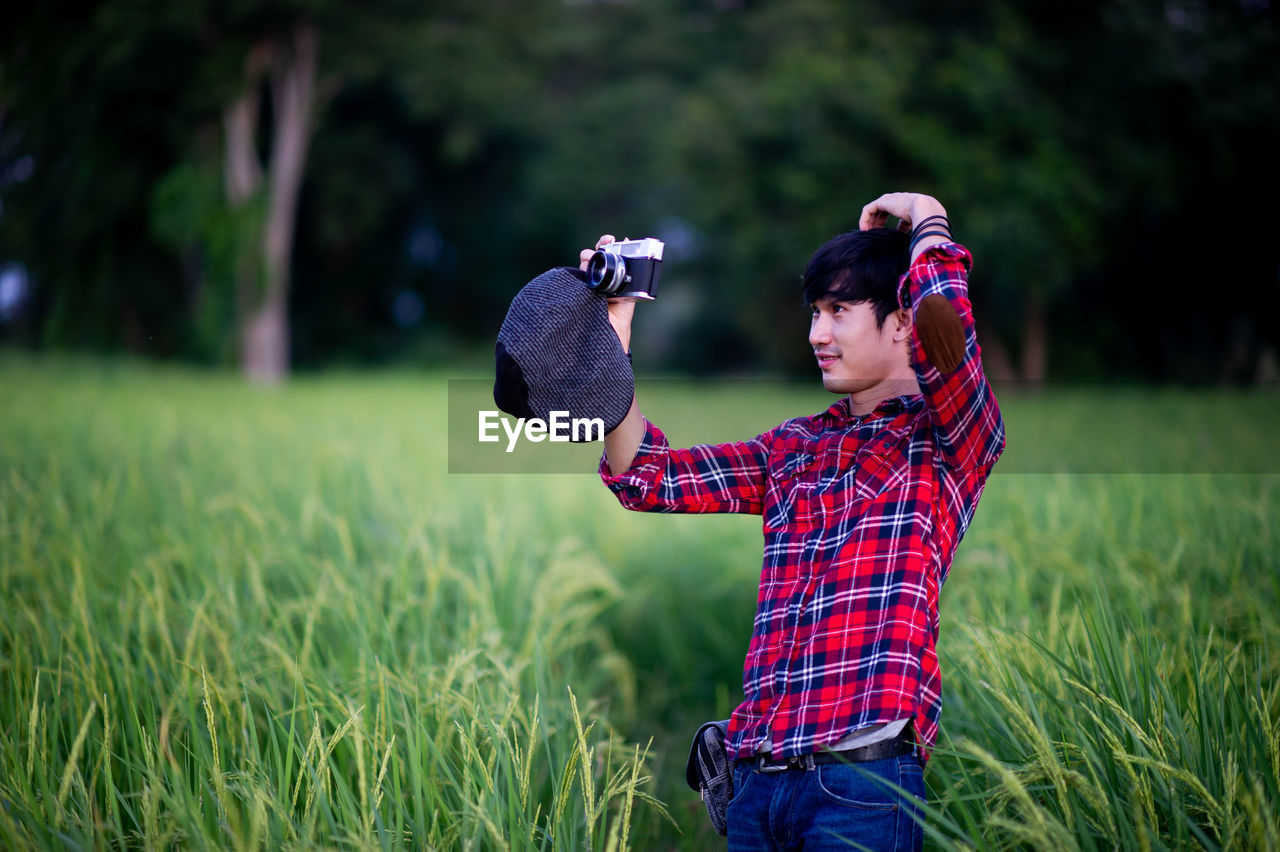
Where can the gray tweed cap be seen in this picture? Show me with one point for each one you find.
(557, 352)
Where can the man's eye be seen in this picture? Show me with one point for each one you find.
(835, 309)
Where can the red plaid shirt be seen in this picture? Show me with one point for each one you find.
(862, 516)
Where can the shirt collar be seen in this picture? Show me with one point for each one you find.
(841, 411)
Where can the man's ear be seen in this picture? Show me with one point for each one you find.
(901, 319)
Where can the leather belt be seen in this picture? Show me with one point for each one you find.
(902, 744)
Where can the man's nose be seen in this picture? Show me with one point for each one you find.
(819, 331)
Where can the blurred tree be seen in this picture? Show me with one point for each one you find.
(426, 161)
(1041, 127)
(289, 62)
(777, 148)
(1191, 154)
(90, 111)
(258, 68)
(129, 107)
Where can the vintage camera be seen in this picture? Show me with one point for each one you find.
(627, 269)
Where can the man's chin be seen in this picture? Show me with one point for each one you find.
(835, 384)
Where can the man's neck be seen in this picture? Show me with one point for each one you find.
(863, 402)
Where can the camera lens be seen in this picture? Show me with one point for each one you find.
(606, 272)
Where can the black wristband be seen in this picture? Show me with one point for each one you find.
(924, 223)
(915, 240)
(932, 229)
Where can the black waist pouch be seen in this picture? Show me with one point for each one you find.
(710, 772)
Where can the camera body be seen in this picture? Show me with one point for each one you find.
(627, 269)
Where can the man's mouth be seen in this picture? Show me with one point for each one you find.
(826, 359)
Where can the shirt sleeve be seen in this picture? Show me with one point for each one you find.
(702, 479)
(966, 418)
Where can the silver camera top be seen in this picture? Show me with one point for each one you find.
(648, 247)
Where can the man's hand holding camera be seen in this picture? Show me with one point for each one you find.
(621, 444)
(620, 310)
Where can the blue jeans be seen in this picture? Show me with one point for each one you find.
(832, 806)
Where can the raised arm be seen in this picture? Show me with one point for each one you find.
(620, 445)
(646, 474)
(944, 343)
(701, 479)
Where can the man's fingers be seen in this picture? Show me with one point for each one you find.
(874, 215)
(584, 256)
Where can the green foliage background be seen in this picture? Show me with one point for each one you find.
(1102, 159)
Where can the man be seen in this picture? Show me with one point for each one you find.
(863, 506)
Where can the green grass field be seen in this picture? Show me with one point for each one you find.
(239, 618)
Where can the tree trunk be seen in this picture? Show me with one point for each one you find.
(1035, 344)
(241, 171)
(996, 362)
(263, 286)
(264, 341)
(242, 177)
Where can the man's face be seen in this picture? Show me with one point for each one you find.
(852, 352)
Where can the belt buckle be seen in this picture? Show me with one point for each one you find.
(766, 767)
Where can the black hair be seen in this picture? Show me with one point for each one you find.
(860, 266)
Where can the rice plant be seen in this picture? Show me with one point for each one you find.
(233, 618)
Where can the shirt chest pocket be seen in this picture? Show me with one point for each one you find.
(807, 490)
(878, 463)
(791, 489)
